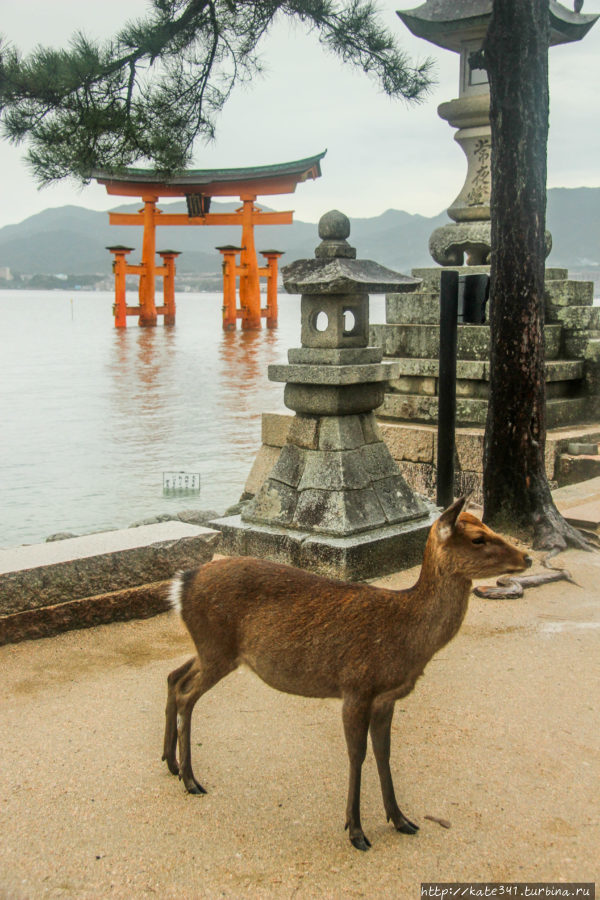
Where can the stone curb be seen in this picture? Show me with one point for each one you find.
(96, 579)
(118, 606)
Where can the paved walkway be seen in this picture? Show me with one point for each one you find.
(580, 503)
(500, 738)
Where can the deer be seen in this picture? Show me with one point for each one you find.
(314, 636)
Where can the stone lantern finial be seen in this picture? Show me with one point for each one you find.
(334, 228)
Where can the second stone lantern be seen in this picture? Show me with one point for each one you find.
(461, 26)
(335, 501)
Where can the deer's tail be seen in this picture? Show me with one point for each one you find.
(178, 590)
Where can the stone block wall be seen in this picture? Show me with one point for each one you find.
(410, 337)
(414, 447)
(408, 415)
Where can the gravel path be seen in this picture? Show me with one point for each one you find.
(500, 738)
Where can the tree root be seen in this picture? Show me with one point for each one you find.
(552, 532)
(510, 587)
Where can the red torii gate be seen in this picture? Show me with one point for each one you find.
(198, 186)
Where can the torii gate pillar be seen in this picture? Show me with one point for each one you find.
(168, 257)
(271, 311)
(249, 283)
(148, 274)
(230, 272)
(120, 269)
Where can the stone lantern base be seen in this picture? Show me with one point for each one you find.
(334, 476)
(334, 503)
(379, 551)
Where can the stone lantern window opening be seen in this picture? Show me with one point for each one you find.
(321, 321)
(334, 321)
(350, 322)
(472, 80)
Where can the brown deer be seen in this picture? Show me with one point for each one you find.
(309, 635)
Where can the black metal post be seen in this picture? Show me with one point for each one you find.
(447, 388)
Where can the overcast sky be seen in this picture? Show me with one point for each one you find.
(381, 154)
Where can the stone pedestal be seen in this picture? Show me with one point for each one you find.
(335, 500)
(469, 238)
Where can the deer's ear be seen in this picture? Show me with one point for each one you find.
(468, 501)
(447, 520)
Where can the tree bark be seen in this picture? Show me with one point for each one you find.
(516, 491)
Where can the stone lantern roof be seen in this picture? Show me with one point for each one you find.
(336, 269)
(448, 23)
(344, 276)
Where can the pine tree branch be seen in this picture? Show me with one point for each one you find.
(155, 89)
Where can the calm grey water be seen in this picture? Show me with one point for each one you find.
(91, 416)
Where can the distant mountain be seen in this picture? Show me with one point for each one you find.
(72, 239)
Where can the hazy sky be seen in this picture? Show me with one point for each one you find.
(381, 154)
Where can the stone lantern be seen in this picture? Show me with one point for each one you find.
(335, 501)
(460, 26)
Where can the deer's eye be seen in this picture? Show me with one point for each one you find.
(478, 540)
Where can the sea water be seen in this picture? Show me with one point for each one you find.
(91, 416)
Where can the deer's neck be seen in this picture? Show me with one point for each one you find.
(439, 601)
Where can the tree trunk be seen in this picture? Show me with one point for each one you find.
(516, 491)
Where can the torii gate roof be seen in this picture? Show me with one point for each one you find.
(281, 178)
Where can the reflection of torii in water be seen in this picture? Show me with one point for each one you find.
(198, 186)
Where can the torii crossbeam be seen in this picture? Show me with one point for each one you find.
(198, 186)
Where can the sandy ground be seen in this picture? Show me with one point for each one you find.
(500, 737)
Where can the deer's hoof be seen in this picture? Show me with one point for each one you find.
(361, 842)
(407, 827)
(191, 785)
(401, 823)
(195, 788)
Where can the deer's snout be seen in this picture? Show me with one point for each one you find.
(528, 562)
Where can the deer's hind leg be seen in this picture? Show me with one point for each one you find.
(189, 687)
(170, 742)
(380, 727)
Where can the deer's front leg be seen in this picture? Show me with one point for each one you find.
(355, 716)
(381, 725)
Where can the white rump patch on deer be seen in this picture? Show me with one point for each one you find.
(174, 595)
